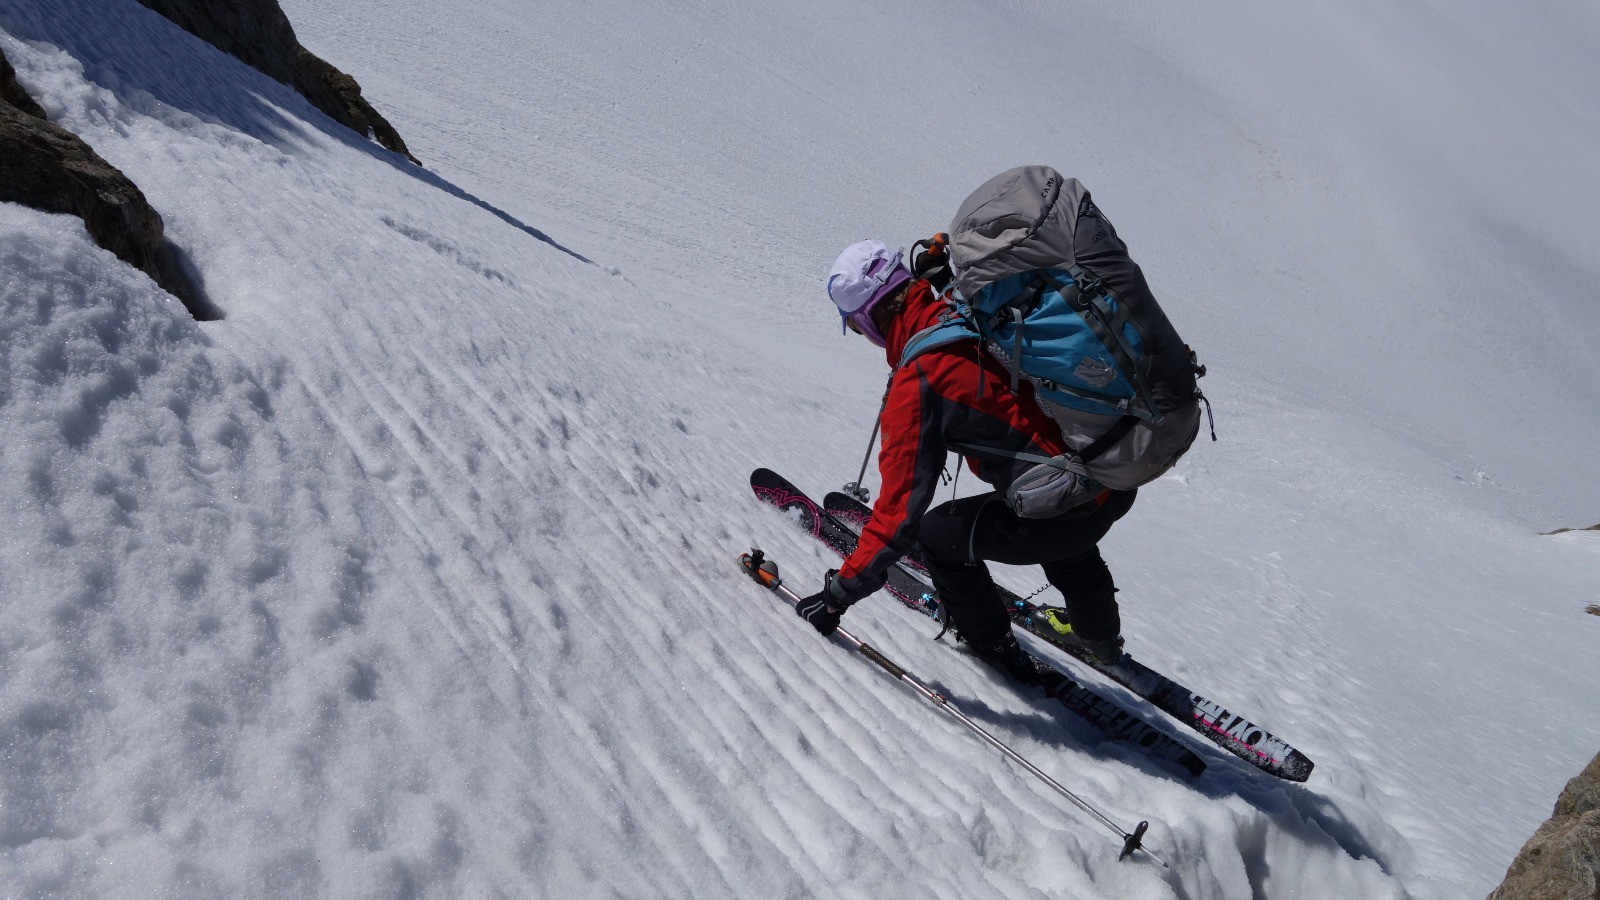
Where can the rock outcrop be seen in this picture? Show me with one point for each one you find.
(47, 167)
(258, 34)
(12, 93)
(1562, 859)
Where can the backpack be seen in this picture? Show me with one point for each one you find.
(1041, 280)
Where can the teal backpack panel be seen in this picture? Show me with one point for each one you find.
(1059, 349)
(1027, 317)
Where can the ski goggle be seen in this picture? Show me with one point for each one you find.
(861, 323)
(855, 309)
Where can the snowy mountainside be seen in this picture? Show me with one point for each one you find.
(414, 575)
(1383, 210)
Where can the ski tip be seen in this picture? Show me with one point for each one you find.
(1295, 767)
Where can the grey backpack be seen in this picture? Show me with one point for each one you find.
(1043, 281)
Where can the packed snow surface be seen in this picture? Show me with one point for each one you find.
(414, 575)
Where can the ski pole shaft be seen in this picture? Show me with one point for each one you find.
(766, 574)
(854, 488)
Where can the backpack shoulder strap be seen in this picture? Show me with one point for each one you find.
(940, 335)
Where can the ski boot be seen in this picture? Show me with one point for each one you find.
(1005, 654)
(1103, 653)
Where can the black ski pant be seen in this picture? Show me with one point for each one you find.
(958, 536)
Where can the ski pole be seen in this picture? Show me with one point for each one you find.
(854, 488)
(765, 572)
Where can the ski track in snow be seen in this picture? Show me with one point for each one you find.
(414, 576)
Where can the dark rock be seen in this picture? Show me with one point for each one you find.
(47, 167)
(328, 88)
(1582, 794)
(257, 33)
(12, 93)
(1562, 859)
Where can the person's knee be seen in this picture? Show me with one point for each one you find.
(945, 537)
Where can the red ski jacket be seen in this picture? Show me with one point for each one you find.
(955, 394)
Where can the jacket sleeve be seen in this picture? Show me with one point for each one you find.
(909, 462)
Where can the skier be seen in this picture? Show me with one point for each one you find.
(958, 394)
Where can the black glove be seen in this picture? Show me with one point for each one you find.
(824, 608)
(933, 263)
(936, 273)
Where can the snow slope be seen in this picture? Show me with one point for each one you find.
(1386, 210)
(413, 576)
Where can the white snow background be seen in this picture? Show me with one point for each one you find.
(414, 576)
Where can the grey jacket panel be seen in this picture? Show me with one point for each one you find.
(1019, 220)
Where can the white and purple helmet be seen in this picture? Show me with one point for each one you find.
(865, 273)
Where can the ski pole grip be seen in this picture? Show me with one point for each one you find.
(871, 652)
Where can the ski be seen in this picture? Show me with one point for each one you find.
(1110, 717)
(1233, 733)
